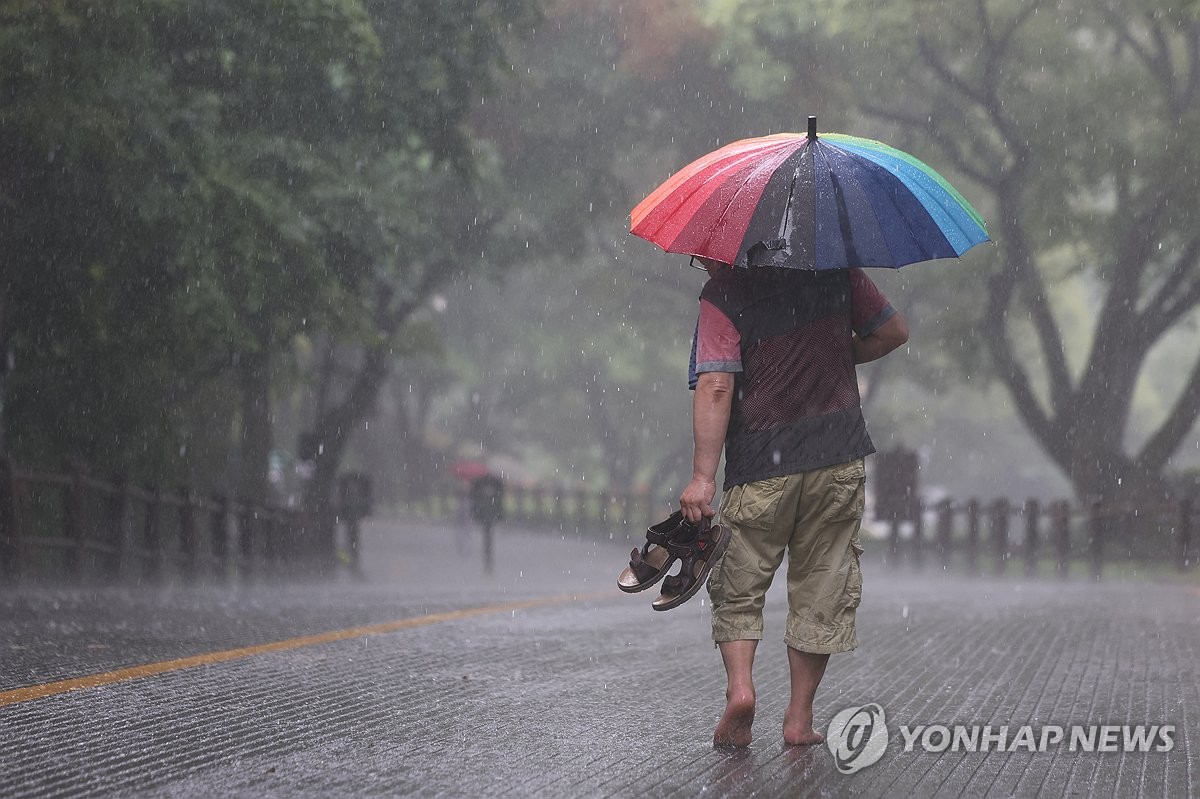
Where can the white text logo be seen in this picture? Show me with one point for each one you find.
(1027, 738)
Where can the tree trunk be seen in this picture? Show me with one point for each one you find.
(334, 428)
(6, 366)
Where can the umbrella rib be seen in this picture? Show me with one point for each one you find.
(753, 174)
(681, 200)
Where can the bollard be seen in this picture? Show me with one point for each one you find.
(1032, 519)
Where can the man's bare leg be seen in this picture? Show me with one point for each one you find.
(734, 727)
(806, 671)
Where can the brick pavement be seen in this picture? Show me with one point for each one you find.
(595, 697)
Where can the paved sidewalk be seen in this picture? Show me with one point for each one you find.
(592, 696)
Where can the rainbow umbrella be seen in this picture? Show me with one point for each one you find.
(809, 202)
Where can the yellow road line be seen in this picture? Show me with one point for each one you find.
(32, 692)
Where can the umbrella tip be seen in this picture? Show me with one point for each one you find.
(812, 128)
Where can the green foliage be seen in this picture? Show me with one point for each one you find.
(186, 184)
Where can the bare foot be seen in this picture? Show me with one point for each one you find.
(734, 727)
(798, 729)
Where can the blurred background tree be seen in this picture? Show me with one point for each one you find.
(1070, 124)
(398, 231)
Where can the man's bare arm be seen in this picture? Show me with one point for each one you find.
(710, 420)
(887, 337)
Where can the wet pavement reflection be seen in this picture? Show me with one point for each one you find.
(582, 692)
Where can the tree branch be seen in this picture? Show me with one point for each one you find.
(1000, 290)
(1163, 443)
(1193, 68)
(1048, 334)
(954, 152)
(1175, 297)
(1022, 393)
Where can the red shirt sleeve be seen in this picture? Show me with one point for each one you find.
(868, 307)
(718, 343)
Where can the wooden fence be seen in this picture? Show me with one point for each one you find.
(77, 528)
(997, 537)
(1036, 539)
(564, 509)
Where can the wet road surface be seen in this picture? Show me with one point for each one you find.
(544, 680)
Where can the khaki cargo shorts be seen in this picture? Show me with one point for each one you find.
(814, 517)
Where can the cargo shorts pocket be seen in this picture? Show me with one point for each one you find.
(730, 580)
(847, 493)
(854, 581)
(753, 504)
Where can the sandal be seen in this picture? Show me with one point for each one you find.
(651, 563)
(702, 553)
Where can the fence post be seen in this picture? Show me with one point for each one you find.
(894, 541)
(514, 504)
(73, 520)
(1033, 513)
(945, 529)
(1096, 538)
(120, 566)
(999, 531)
(152, 537)
(1185, 533)
(219, 536)
(187, 534)
(273, 533)
(1061, 513)
(247, 531)
(581, 509)
(558, 513)
(549, 506)
(973, 536)
(11, 560)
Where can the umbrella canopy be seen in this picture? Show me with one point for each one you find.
(809, 202)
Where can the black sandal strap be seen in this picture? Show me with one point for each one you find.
(662, 532)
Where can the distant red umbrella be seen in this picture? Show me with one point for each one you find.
(469, 470)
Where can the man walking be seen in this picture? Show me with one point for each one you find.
(776, 390)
